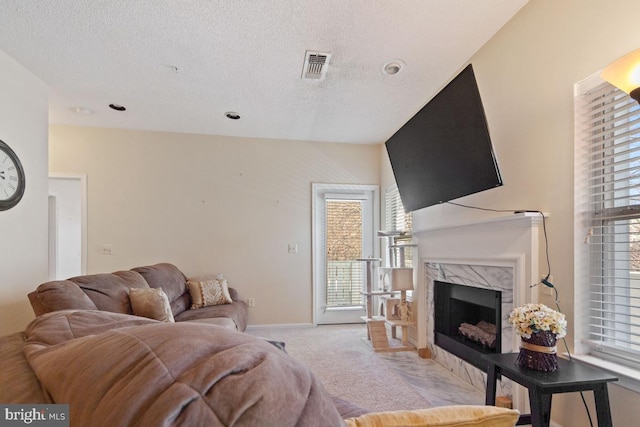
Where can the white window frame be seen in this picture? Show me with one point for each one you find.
(587, 348)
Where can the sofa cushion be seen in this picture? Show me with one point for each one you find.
(172, 281)
(110, 292)
(209, 292)
(224, 322)
(60, 326)
(237, 311)
(151, 303)
(458, 416)
(18, 383)
(59, 295)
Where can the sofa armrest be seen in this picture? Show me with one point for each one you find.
(59, 295)
(36, 305)
(234, 294)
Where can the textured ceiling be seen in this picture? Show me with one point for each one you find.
(246, 56)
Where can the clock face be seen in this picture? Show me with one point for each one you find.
(11, 178)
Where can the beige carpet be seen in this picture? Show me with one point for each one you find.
(342, 359)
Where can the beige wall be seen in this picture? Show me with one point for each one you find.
(526, 75)
(232, 205)
(209, 204)
(23, 229)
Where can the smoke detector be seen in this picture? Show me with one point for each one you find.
(315, 65)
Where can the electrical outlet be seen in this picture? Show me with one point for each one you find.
(544, 289)
(106, 249)
(293, 248)
(251, 302)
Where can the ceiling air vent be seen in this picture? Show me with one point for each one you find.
(315, 65)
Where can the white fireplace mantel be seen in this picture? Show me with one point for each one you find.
(502, 240)
(511, 241)
(528, 218)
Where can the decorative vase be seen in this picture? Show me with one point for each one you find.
(539, 352)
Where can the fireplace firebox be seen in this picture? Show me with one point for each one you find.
(467, 321)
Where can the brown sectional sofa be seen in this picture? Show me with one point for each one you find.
(110, 292)
(115, 369)
(192, 372)
(184, 374)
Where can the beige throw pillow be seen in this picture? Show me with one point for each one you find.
(152, 303)
(454, 416)
(209, 292)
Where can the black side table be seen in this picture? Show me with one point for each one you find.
(571, 376)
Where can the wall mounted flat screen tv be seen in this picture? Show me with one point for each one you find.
(444, 152)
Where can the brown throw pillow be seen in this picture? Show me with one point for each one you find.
(151, 303)
(209, 292)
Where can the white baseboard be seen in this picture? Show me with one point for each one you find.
(280, 326)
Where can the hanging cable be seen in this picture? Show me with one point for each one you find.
(515, 211)
(544, 281)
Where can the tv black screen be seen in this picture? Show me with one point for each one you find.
(444, 152)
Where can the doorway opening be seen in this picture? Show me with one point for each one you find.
(67, 226)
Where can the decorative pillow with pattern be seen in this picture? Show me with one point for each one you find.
(209, 292)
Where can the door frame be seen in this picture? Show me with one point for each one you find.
(82, 178)
(316, 189)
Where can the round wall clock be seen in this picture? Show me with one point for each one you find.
(11, 178)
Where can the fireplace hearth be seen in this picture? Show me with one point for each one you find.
(466, 321)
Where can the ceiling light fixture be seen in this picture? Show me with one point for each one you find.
(624, 73)
(232, 115)
(392, 67)
(117, 107)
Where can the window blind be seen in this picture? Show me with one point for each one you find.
(397, 219)
(609, 124)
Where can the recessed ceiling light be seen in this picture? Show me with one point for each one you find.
(81, 110)
(392, 67)
(117, 107)
(232, 115)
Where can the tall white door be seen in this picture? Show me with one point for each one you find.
(346, 218)
(67, 226)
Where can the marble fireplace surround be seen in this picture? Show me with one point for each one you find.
(500, 253)
(495, 277)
